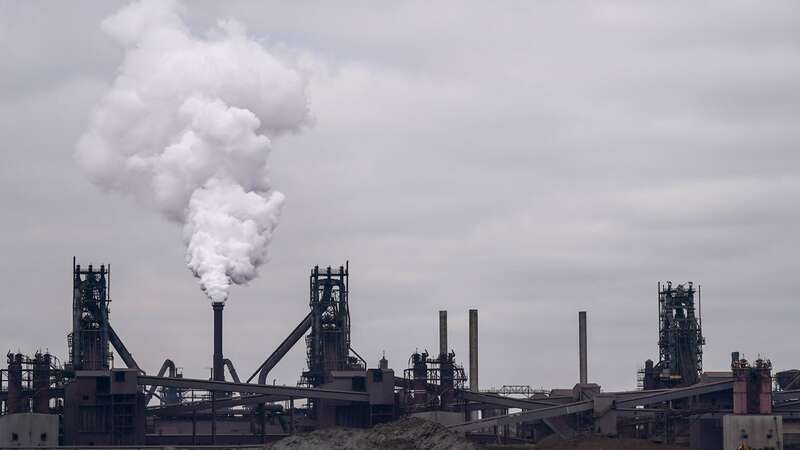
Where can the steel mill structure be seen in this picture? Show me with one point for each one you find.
(91, 399)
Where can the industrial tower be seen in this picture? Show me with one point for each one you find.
(88, 342)
(328, 344)
(680, 339)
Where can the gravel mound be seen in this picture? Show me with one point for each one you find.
(410, 433)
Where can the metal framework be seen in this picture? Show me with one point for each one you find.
(434, 381)
(680, 339)
(328, 344)
(526, 416)
(88, 342)
(281, 392)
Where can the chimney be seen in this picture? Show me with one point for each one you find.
(442, 333)
(218, 371)
(582, 351)
(473, 350)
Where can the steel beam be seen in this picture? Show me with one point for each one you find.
(525, 416)
(223, 386)
(282, 349)
(780, 396)
(191, 407)
(232, 370)
(506, 402)
(675, 394)
(123, 352)
(168, 364)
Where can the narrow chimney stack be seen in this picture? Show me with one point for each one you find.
(473, 350)
(219, 374)
(442, 333)
(582, 350)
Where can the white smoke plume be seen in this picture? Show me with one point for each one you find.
(185, 129)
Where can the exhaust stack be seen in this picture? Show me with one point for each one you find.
(582, 351)
(473, 350)
(442, 333)
(218, 371)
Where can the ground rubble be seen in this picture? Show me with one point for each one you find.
(409, 433)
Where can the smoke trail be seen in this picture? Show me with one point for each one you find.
(185, 129)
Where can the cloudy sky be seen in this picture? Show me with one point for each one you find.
(529, 159)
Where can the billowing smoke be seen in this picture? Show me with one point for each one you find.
(185, 129)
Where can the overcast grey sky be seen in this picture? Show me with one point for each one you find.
(529, 159)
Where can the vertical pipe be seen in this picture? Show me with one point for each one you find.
(41, 383)
(262, 416)
(740, 381)
(473, 350)
(763, 371)
(582, 351)
(700, 308)
(291, 415)
(14, 402)
(213, 417)
(442, 333)
(77, 357)
(219, 373)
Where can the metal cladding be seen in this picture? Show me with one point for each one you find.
(582, 351)
(218, 371)
(473, 350)
(752, 386)
(442, 332)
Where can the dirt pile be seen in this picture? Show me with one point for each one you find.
(591, 443)
(405, 434)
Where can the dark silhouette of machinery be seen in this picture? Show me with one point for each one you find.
(88, 342)
(680, 339)
(328, 345)
(433, 381)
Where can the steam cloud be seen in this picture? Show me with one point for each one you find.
(185, 129)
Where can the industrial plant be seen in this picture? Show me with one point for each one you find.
(97, 395)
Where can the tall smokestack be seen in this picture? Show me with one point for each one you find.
(584, 377)
(442, 333)
(473, 350)
(218, 374)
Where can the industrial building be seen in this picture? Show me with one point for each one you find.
(87, 400)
